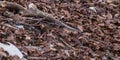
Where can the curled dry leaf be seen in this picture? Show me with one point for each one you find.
(11, 49)
(93, 8)
(80, 28)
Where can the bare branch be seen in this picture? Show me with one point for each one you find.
(34, 12)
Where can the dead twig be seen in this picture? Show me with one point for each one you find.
(34, 12)
(68, 45)
(37, 58)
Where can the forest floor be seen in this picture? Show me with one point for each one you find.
(37, 39)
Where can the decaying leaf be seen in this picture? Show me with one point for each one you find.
(11, 49)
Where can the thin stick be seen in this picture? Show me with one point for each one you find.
(34, 12)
